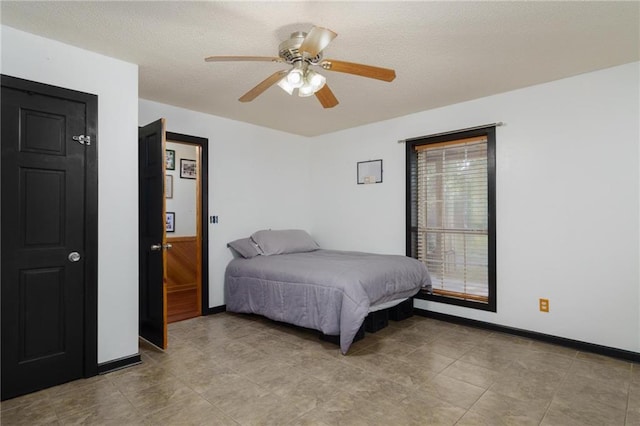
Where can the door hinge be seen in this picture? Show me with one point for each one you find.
(84, 140)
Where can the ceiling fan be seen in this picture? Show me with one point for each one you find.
(304, 51)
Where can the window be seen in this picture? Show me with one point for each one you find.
(451, 215)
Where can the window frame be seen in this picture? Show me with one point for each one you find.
(412, 210)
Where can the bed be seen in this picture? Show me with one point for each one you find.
(284, 275)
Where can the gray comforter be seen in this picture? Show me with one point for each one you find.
(326, 290)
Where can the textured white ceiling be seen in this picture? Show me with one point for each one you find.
(443, 52)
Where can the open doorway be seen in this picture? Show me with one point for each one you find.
(163, 174)
(186, 200)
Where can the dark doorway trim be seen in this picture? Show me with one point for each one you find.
(203, 143)
(90, 367)
(215, 310)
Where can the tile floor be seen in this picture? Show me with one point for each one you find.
(235, 369)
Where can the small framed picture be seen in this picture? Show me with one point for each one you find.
(170, 159)
(188, 169)
(171, 222)
(369, 172)
(168, 186)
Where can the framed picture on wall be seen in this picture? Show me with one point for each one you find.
(170, 159)
(171, 222)
(168, 186)
(188, 169)
(369, 172)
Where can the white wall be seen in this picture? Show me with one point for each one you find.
(183, 203)
(116, 84)
(568, 191)
(258, 178)
(568, 198)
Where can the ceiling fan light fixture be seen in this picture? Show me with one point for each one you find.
(317, 81)
(306, 90)
(295, 78)
(312, 82)
(284, 84)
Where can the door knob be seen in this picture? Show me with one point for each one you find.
(158, 247)
(74, 256)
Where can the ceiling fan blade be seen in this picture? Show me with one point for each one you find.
(326, 97)
(263, 85)
(242, 58)
(317, 39)
(384, 74)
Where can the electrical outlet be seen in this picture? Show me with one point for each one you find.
(544, 305)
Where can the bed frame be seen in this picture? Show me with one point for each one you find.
(377, 320)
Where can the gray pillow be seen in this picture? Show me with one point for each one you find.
(284, 241)
(245, 247)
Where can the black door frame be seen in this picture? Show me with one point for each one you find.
(203, 143)
(90, 358)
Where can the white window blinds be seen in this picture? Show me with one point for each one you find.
(453, 229)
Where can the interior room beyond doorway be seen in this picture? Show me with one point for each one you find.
(184, 272)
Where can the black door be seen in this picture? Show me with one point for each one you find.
(49, 236)
(153, 241)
